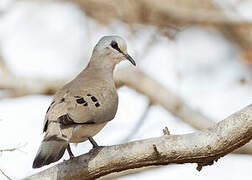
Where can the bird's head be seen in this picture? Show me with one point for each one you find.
(113, 47)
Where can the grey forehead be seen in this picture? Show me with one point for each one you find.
(112, 38)
(106, 41)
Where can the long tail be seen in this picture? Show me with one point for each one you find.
(50, 150)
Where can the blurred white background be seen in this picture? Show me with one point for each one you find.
(54, 40)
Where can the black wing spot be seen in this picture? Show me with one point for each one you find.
(93, 99)
(80, 101)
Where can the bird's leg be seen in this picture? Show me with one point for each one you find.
(95, 145)
(70, 152)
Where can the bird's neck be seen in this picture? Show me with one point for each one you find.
(100, 67)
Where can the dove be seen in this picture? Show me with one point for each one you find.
(81, 108)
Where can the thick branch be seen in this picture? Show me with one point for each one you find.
(203, 147)
(21, 86)
(159, 94)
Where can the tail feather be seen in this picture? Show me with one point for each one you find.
(50, 150)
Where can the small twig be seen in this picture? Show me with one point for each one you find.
(166, 131)
(156, 150)
(5, 175)
(12, 149)
(160, 95)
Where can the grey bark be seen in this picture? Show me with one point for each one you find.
(202, 147)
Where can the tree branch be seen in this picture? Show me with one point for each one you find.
(5, 175)
(203, 147)
(12, 149)
(169, 13)
(160, 13)
(158, 94)
(21, 86)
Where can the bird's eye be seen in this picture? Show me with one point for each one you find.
(114, 45)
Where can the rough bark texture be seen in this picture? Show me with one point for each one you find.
(161, 95)
(203, 147)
